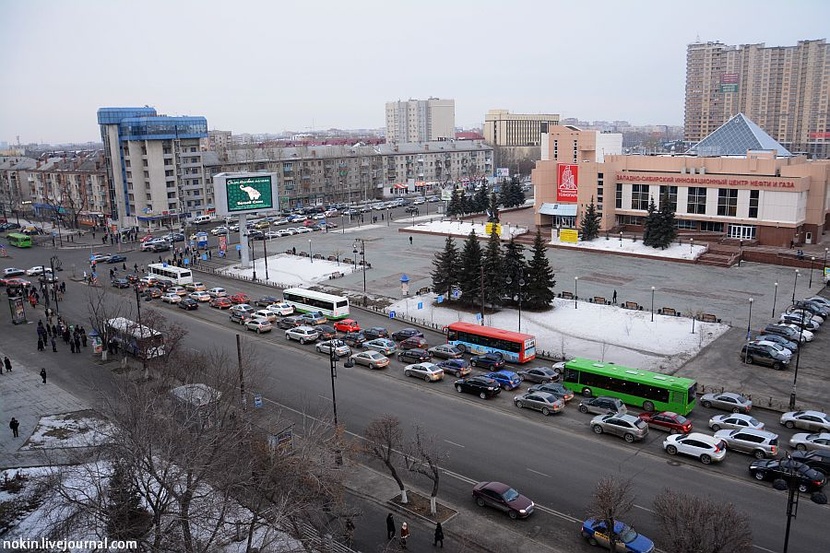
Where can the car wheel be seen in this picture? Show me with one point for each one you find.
(407, 373)
(801, 447)
(715, 427)
(705, 459)
(302, 341)
(473, 363)
(749, 360)
(519, 404)
(760, 475)
(648, 406)
(777, 366)
(426, 378)
(318, 349)
(458, 389)
(671, 450)
(287, 337)
(629, 438)
(597, 429)
(803, 488)
(480, 502)
(592, 541)
(372, 366)
(586, 392)
(583, 409)
(259, 331)
(789, 424)
(706, 404)
(482, 395)
(545, 411)
(760, 454)
(736, 409)
(513, 514)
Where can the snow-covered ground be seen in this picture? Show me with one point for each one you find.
(82, 429)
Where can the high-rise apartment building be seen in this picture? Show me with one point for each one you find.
(784, 89)
(416, 121)
(502, 128)
(155, 167)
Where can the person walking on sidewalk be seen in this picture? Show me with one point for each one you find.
(14, 425)
(390, 527)
(43, 374)
(614, 298)
(439, 536)
(8, 364)
(39, 343)
(404, 534)
(54, 344)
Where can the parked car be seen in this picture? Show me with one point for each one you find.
(456, 367)
(815, 459)
(668, 421)
(99, 257)
(290, 322)
(179, 290)
(240, 298)
(603, 405)
(805, 441)
(382, 345)
(480, 385)
(37, 270)
(508, 380)
(491, 361)
(701, 446)
(789, 470)
(189, 304)
(347, 325)
(808, 311)
(405, 333)
(121, 283)
(117, 258)
(547, 403)
(302, 334)
(735, 420)
(375, 332)
(13, 272)
(221, 303)
(628, 427)
(413, 343)
(240, 317)
(371, 359)
(813, 421)
(445, 351)
(259, 324)
(504, 498)
(430, 372)
(760, 443)
(153, 292)
(355, 339)
(766, 353)
(799, 320)
(315, 318)
(327, 332)
(341, 349)
(539, 375)
(805, 334)
(786, 331)
(778, 339)
(265, 301)
(281, 308)
(171, 297)
(817, 308)
(414, 354)
(554, 388)
(727, 401)
(195, 286)
(628, 540)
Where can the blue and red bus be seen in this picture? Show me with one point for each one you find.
(514, 346)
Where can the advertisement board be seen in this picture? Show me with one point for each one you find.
(503, 172)
(569, 235)
(567, 182)
(241, 193)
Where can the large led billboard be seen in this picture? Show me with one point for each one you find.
(245, 192)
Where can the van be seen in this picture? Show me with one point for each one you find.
(202, 220)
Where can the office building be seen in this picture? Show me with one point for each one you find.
(784, 89)
(415, 121)
(502, 128)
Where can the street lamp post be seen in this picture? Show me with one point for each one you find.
(576, 291)
(795, 282)
(774, 298)
(652, 304)
(52, 261)
(363, 262)
(520, 284)
(797, 359)
(812, 260)
(265, 257)
(253, 256)
(310, 253)
(691, 244)
(791, 484)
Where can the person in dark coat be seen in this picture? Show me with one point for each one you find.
(43, 374)
(39, 343)
(8, 364)
(78, 342)
(72, 345)
(404, 534)
(439, 536)
(14, 425)
(54, 344)
(83, 337)
(390, 527)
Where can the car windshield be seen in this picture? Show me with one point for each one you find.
(627, 534)
(510, 495)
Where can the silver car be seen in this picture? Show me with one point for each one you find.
(302, 334)
(759, 443)
(541, 401)
(629, 427)
(430, 372)
(341, 349)
(735, 420)
(808, 442)
(806, 420)
(727, 401)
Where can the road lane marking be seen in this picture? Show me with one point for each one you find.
(644, 508)
(453, 443)
(539, 473)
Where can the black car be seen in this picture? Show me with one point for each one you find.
(817, 459)
(808, 479)
(9, 226)
(327, 332)
(416, 355)
(813, 308)
(165, 284)
(375, 332)
(787, 332)
(121, 283)
(539, 375)
(355, 339)
(482, 386)
(405, 333)
(290, 322)
(117, 258)
(265, 301)
(189, 303)
(489, 361)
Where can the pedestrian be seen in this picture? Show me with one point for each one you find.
(124, 266)
(54, 331)
(135, 267)
(614, 298)
(13, 424)
(410, 240)
(83, 337)
(8, 364)
(78, 342)
(349, 534)
(54, 344)
(43, 374)
(404, 535)
(72, 345)
(39, 343)
(439, 536)
(390, 526)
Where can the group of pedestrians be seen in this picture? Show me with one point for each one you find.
(48, 334)
(391, 532)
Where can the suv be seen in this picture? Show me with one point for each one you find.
(240, 316)
(290, 322)
(628, 427)
(314, 318)
(706, 448)
(760, 443)
(302, 334)
(766, 353)
(603, 405)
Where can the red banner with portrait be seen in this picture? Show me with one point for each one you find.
(567, 179)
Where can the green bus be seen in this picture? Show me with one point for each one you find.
(19, 240)
(650, 390)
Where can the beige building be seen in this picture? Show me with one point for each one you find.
(416, 121)
(783, 89)
(502, 128)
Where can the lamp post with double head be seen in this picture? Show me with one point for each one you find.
(795, 283)
(812, 261)
(363, 262)
(792, 484)
(310, 253)
(520, 282)
(576, 291)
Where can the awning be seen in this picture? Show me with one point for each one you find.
(399, 186)
(558, 210)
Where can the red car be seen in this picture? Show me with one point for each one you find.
(347, 325)
(14, 281)
(221, 303)
(240, 298)
(414, 342)
(668, 421)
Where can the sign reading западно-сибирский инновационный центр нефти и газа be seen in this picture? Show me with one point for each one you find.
(248, 193)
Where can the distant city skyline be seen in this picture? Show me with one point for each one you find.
(259, 67)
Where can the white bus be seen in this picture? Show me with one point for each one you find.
(308, 301)
(138, 340)
(179, 275)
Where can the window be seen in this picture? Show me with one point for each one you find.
(639, 196)
(753, 204)
(711, 226)
(727, 202)
(683, 224)
(618, 200)
(697, 200)
(670, 194)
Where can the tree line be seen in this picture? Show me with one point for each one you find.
(659, 229)
(510, 195)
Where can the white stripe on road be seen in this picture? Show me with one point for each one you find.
(539, 473)
(453, 443)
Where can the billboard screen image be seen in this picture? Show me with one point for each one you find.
(249, 193)
(567, 182)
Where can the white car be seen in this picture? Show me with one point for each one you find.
(271, 234)
(171, 297)
(99, 257)
(259, 324)
(735, 420)
(266, 314)
(341, 349)
(302, 334)
(200, 296)
(13, 272)
(178, 290)
(806, 335)
(37, 270)
(219, 231)
(430, 372)
(282, 309)
(701, 446)
(217, 292)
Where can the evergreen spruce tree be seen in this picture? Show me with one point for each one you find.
(667, 230)
(589, 226)
(517, 195)
(514, 267)
(481, 199)
(126, 518)
(445, 275)
(469, 272)
(539, 292)
(493, 209)
(650, 225)
(505, 192)
(456, 206)
(493, 273)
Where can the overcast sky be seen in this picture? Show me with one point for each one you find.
(269, 66)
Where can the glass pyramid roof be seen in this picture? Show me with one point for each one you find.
(735, 138)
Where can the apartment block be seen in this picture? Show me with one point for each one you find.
(415, 121)
(502, 128)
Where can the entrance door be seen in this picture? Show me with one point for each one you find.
(742, 232)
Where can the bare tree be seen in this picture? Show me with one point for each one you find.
(691, 524)
(612, 498)
(424, 458)
(102, 307)
(384, 441)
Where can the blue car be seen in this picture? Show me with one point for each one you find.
(508, 380)
(596, 532)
